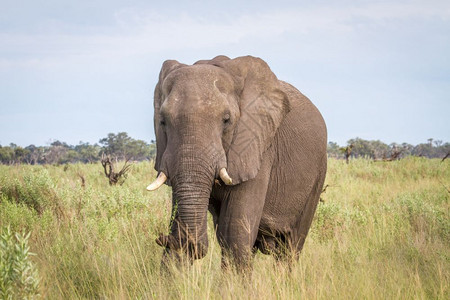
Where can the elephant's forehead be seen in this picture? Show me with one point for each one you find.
(194, 100)
(198, 78)
(196, 88)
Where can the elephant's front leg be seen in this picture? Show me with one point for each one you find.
(239, 218)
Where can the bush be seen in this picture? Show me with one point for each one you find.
(35, 190)
(18, 277)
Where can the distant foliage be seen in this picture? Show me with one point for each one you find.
(378, 150)
(119, 145)
(123, 147)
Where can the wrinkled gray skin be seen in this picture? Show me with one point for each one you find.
(235, 113)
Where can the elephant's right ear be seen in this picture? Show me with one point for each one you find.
(161, 138)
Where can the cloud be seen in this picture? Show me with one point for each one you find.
(353, 58)
(146, 32)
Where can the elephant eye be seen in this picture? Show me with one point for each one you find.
(226, 118)
(162, 122)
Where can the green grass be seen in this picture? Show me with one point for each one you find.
(383, 231)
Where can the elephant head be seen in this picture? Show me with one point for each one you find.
(213, 119)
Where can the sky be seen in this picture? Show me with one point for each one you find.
(77, 70)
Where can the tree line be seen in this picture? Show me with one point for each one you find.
(120, 146)
(377, 150)
(123, 147)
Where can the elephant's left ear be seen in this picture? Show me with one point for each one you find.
(263, 106)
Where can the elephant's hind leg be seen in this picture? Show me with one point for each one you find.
(296, 240)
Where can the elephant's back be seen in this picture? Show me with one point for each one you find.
(302, 106)
(304, 124)
(303, 127)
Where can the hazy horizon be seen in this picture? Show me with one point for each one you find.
(74, 72)
(50, 141)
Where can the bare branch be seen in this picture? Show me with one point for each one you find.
(325, 190)
(348, 152)
(108, 167)
(394, 156)
(448, 190)
(446, 156)
(83, 180)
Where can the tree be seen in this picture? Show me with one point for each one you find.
(6, 155)
(407, 149)
(152, 148)
(361, 148)
(88, 153)
(32, 155)
(124, 147)
(13, 154)
(56, 152)
(20, 154)
(333, 150)
(380, 149)
(138, 150)
(437, 143)
(116, 144)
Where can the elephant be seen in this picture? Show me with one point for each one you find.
(234, 140)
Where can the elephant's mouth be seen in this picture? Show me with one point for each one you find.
(194, 250)
(162, 178)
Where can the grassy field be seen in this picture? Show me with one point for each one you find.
(382, 232)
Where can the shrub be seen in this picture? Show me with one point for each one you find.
(18, 276)
(35, 190)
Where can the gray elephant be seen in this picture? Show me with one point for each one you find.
(251, 149)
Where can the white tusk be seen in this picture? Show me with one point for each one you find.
(158, 182)
(225, 177)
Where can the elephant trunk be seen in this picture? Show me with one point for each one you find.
(191, 186)
(189, 228)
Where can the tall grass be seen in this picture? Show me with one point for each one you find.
(381, 232)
